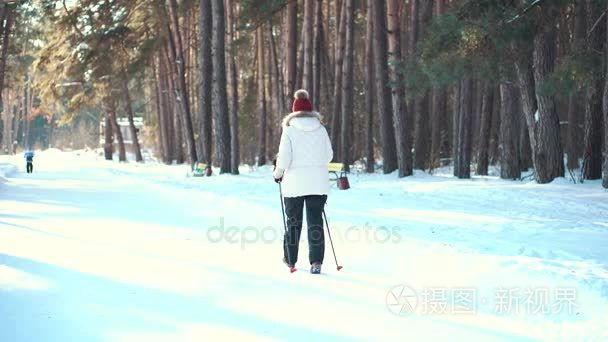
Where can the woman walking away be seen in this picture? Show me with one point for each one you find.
(29, 161)
(301, 168)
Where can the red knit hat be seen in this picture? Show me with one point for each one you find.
(301, 102)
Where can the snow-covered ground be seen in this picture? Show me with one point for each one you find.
(97, 251)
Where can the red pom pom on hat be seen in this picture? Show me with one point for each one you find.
(301, 102)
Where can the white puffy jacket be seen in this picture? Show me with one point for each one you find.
(304, 152)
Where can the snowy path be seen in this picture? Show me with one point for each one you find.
(95, 251)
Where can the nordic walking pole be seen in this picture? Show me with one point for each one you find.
(286, 244)
(338, 267)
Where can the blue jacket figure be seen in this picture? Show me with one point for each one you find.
(29, 159)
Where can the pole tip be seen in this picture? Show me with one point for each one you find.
(293, 269)
(339, 268)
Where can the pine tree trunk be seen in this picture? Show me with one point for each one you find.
(162, 125)
(455, 123)
(438, 109)
(307, 81)
(578, 43)
(335, 119)
(108, 146)
(404, 155)
(206, 82)
(111, 107)
(369, 91)
(261, 98)
(178, 131)
(27, 104)
(479, 92)
(525, 152)
(233, 87)
(8, 20)
(462, 169)
(347, 85)
(421, 13)
(549, 161)
(219, 92)
(572, 144)
(493, 156)
(387, 130)
(523, 68)
(279, 95)
(605, 109)
(509, 160)
(485, 129)
(300, 64)
(270, 104)
(167, 111)
(316, 64)
(592, 153)
(173, 109)
(128, 103)
(176, 51)
(291, 48)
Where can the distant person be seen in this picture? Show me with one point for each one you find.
(29, 160)
(301, 168)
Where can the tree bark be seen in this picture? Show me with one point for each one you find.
(369, 91)
(455, 123)
(219, 92)
(181, 89)
(592, 154)
(206, 82)
(278, 85)
(387, 131)
(549, 154)
(233, 85)
(136, 147)
(168, 110)
(8, 20)
(162, 124)
(404, 155)
(420, 16)
(261, 99)
(111, 107)
(307, 81)
(493, 156)
(347, 85)
(335, 120)
(462, 168)
(605, 109)
(525, 151)
(108, 147)
(525, 77)
(509, 161)
(485, 129)
(316, 63)
(291, 48)
(578, 43)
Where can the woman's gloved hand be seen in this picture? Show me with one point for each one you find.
(278, 176)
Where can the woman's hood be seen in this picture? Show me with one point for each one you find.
(303, 121)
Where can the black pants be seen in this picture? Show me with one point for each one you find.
(30, 167)
(294, 207)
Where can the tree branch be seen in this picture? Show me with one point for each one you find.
(67, 11)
